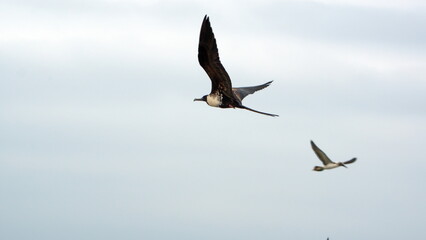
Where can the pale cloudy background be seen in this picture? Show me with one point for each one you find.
(100, 138)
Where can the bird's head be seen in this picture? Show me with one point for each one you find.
(318, 168)
(203, 99)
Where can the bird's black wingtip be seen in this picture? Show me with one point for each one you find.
(206, 22)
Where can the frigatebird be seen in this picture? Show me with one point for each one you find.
(328, 164)
(222, 94)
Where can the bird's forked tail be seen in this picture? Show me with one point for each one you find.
(268, 114)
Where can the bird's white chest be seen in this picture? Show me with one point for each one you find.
(214, 100)
(331, 166)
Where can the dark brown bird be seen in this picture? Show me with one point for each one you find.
(222, 94)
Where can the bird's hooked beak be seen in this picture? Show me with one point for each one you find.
(203, 99)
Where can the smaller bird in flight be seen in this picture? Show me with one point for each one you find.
(328, 164)
(222, 94)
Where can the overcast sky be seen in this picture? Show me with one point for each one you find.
(100, 137)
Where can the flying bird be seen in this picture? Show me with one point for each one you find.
(328, 164)
(222, 94)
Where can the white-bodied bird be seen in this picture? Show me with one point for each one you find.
(328, 164)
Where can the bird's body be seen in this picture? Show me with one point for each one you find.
(331, 166)
(214, 100)
(328, 164)
(222, 94)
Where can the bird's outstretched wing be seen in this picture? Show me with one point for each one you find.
(208, 57)
(242, 92)
(350, 161)
(320, 154)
